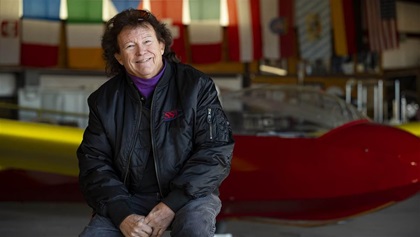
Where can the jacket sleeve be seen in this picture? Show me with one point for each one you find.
(99, 183)
(210, 161)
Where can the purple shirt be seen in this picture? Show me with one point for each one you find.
(147, 86)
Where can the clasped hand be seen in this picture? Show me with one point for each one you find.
(153, 225)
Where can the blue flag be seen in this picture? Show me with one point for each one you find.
(121, 5)
(41, 9)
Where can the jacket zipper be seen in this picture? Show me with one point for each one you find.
(210, 124)
(133, 145)
(152, 140)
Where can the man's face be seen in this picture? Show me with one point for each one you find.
(140, 51)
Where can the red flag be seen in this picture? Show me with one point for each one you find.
(349, 22)
(277, 23)
(38, 50)
(288, 38)
(244, 30)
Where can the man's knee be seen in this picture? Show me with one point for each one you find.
(194, 229)
(197, 217)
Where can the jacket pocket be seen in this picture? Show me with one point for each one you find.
(219, 127)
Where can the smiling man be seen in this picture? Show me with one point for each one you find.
(158, 144)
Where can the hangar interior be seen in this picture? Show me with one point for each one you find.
(47, 79)
(60, 84)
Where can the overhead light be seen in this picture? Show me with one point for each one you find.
(273, 70)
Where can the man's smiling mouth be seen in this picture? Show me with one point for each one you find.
(144, 60)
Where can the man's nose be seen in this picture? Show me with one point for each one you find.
(140, 50)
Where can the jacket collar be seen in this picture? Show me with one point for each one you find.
(167, 74)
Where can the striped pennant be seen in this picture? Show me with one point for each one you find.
(40, 18)
(10, 32)
(205, 31)
(244, 31)
(314, 29)
(171, 13)
(381, 24)
(84, 32)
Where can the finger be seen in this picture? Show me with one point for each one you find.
(141, 219)
(147, 229)
(155, 232)
(143, 234)
(160, 232)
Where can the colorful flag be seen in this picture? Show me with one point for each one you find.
(112, 7)
(37, 49)
(314, 29)
(381, 24)
(84, 32)
(84, 11)
(338, 26)
(171, 13)
(244, 30)
(84, 46)
(10, 32)
(121, 5)
(278, 35)
(40, 18)
(343, 25)
(41, 9)
(205, 31)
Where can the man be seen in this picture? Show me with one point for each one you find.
(158, 144)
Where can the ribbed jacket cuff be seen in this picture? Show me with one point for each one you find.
(176, 200)
(118, 211)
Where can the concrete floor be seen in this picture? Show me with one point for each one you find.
(68, 219)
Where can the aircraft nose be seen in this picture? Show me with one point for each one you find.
(394, 144)
(387, 157)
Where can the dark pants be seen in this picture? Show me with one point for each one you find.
(196, 219)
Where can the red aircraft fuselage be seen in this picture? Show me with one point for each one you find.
(352, 169)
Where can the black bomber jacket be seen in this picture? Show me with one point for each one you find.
(191, 138)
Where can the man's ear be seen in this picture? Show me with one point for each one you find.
(118, 58)
(162, 48)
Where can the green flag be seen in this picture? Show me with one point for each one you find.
(84, 11)
(204, 10)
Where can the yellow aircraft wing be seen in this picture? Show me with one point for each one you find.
(39, 147)
(413, 127)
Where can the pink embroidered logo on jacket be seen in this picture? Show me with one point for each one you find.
(170, 115)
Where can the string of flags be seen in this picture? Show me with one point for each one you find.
(45, 33)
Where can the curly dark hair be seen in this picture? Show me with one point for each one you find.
(132, 18)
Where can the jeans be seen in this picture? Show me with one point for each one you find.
(196, 219)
